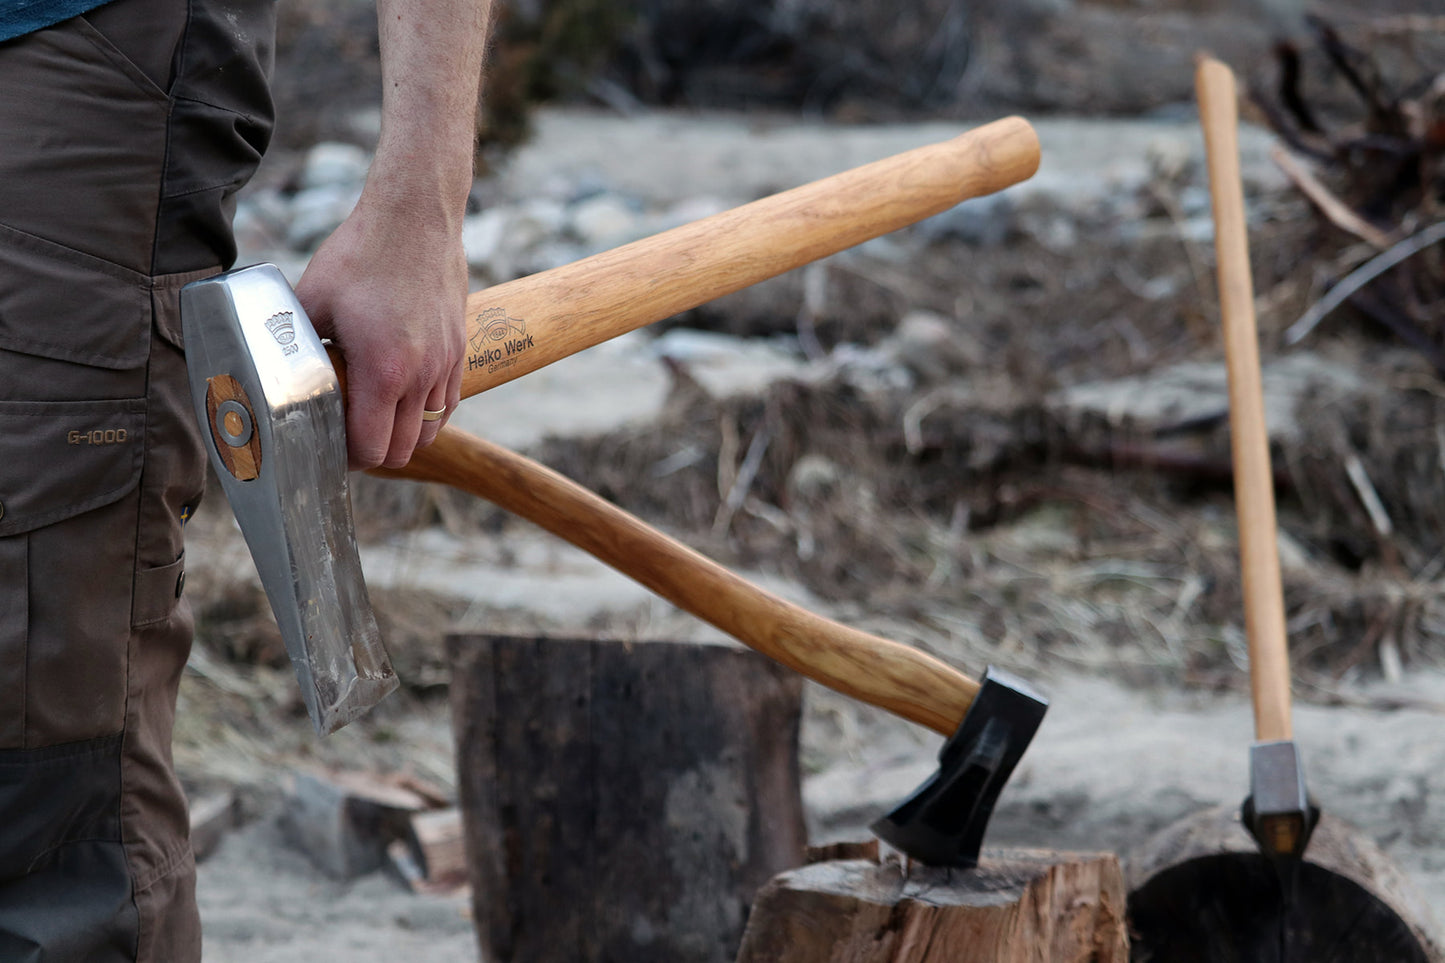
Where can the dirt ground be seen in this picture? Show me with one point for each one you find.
(1020, 481)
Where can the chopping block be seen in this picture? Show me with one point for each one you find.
(622, 800)
(1015, 906)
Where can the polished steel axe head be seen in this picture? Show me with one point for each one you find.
(943, 822)
(271, 411)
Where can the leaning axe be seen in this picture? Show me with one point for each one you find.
(270, 400)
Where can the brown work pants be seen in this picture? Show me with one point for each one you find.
(124, 134)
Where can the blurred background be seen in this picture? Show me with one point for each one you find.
(1000, 435)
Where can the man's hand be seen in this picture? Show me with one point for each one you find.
(393, 299)
(389, 286)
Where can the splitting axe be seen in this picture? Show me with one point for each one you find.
(1278, 813)
(270, 396)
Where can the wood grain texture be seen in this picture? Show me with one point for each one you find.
(1264, 614)
(243, 462)
(622, 801)
(1017, 906)
(1200, 891)
(899, 678)
(522, 325)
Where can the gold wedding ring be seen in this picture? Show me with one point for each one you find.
(428, 415)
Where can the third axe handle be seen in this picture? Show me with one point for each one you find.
(896, 677)
(1253, 480)
(519, 326)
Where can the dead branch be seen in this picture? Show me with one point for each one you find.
(1362, 276)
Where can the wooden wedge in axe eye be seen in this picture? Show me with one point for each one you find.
(270, 401)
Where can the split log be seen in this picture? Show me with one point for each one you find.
(1015, 906)
(622, 801)
(1201, 891)
(431, 859)
(343, 821)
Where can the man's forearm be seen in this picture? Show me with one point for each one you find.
(431, 58)
(389, 286)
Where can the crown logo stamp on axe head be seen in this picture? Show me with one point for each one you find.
(270, 405)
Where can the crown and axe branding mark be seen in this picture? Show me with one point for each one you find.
(282, 326)
(497, 340)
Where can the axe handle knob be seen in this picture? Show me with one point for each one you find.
(899, 678)
(519, 326)
(1264, 613)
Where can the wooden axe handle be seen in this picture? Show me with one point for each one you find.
(896, 677)
(519, 326)
(1264, 615)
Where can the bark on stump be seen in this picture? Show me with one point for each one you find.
(622, 802)
(1016, 906)
(1201, 891)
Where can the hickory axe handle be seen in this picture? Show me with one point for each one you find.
(519, 326)
(1264, 614)
(892, 676)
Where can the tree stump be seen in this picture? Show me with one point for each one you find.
(1201, 891)
(1016, 906)
(622, 802)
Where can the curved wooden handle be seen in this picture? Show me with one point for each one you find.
(519, 326)
(1264, 615)
(899, 678)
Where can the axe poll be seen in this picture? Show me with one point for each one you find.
(270, 401)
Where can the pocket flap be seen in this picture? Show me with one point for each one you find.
(59, 303)
(61, 458)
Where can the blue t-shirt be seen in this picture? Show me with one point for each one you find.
(19, 17)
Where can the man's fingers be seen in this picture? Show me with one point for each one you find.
(406, 430)
(370, 428)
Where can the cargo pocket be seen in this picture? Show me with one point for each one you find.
(69, 473)
(60, 305)
(175, 470)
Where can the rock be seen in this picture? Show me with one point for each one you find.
(606, 220)
(534, 221)
(483, 236)
(317, 211)
(688, 210)
(332, 164)
(343, 821)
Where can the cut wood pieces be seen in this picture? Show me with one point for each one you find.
(1015, 906)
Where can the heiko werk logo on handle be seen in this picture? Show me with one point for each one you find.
(497, 340)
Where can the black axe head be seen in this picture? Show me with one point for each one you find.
(1279, 812)
(943, 822)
